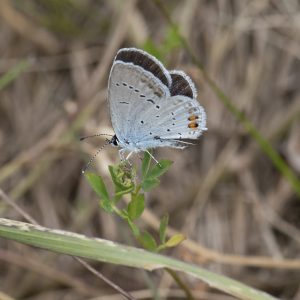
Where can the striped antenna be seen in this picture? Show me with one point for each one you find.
(94, 156)
(94, 135)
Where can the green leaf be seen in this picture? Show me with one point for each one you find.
(122, 213)
(135, 230)
(122, 177)
(106, 204)
(120, 192)
(147, 241)
(109, 252)
(160, 168)
(174, 240)
(163, 227)
(146, 164)
(149, 184)
(98, 185)
(136, 207)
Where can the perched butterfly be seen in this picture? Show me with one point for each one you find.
(150, 106)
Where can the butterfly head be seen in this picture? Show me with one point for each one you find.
(114, 141)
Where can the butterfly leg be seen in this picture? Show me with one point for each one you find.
(121, 153)
(128, 156)
(153, 158)
(122, 156)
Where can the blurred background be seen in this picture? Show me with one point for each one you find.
(241, 217)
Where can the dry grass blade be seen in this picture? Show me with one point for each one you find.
(107, 251)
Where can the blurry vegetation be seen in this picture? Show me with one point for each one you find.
(69, 19)
(239, 214)
(170, 43)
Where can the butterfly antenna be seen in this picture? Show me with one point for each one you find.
(154, 158)
(94, 156)
(94, 135)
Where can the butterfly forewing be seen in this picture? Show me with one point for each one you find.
(132, 91)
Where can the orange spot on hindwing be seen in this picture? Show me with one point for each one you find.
(193, 118)
(193, 125)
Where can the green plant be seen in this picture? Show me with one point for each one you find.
(126, 182)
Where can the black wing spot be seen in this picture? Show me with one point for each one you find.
(130, 86)
(125, 84)
(150, 133)
(136, 90)
(172, 113)
(157, 116)
(150, 100)
(173, 124)
(157, 106)
(142, 122)
(142, 96)
(168, 130)
(117, 84)
(173, 119)
(123, 102)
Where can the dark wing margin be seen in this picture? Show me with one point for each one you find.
(146, 61)
(182, 85)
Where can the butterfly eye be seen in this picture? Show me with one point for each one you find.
(114, 141)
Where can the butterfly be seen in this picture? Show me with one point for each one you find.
(150, 106)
